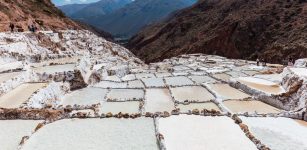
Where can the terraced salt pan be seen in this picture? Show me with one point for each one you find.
(236, 74)
(144, 75)
(224, 91)
(158, 100)
(125, 95)
(198, 132)
(110, 84)
(55, 68)
(12, 132)
(178, 81)
(86, 96)
(250, 72)
(262, 85)
(199, 106)
(7, 76)
(224, 77)
(181, 73)
(153, 82)
(129, 77)
(278, 133)
(95, 134)
(136, 84)
(300, 71)
(11, 66)
(202, 79)
(276, 78)
(19, 95)
(113, 78)
(250, 106)
(130, 107)
(163, 74)
(191, 94)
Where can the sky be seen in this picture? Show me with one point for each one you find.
(64, 2)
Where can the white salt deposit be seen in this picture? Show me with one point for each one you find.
(163, 74)
(125, 95)
(11, 66)
(223, 77)
(144, 75)
(192, 94)
(130, 107)
(12, 132)
(224, 91)
(202, 79)
(153, 82)
(110, 84)
(95, 134)
(135, 84)
(199, 106)
(276, 78)
(86, 96)
(262, 85)
(300, 71)
(55, 68)
(7, 76)
(198, 132)
(278, 133)
(253, 106)
(178, 81)
(158, 100)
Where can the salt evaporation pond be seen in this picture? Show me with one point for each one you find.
(87, 96)
(153, 82)
(262, 85)
(252, 106)
(144, 75)
(130, 107)
(251, 72)
(223, 77)
(300, 71)
(236, 74)
(163, 74)
(191, 94)
(278, 133)
(178, 81)
(95, 134)
(7, 76)
(198, 132)
(125, 95)
(199, 106)
(158, 100)
(136, 84)
(277, 78)
(12, 132)
(110, 84)
(224, 91)
(19, 95)
(11, 66)
(202, 79)
(55, 68)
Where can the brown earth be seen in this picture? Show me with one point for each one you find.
(42, 13)
(247, 29)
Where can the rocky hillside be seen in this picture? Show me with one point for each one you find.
(24, 12)
(274, 30)
(130, 19)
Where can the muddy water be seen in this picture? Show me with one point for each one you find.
(19, 95)
(199, 106)
(224, 91)
(262, 85)
(7, 76)
(250, 106)
(191, 93)
(158, 100)
(55, 68)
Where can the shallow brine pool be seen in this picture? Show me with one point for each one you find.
(158, 100)
(191, 94)
(125, 95)
(199, 106)
(224, 91)
(55, 68)
(130, 107)
(253, 106)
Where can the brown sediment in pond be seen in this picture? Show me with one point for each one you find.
(227, 92)
(237, 106)
(272, 89)
(301, 122)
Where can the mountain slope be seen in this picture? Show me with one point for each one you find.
(102, 7)
(134, 16)
(42, 12)
(274, 30)
(70, 9)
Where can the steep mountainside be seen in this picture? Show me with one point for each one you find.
(134, 16)
(96, 31)
(274, 30)
(88, 11)
(24, 12)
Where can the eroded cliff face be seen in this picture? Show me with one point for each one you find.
(42, 13)
(245, 29)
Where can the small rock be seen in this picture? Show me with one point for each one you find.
(148, 114)
(126, 115)
(195, 111)
(109, 115)
(166, 114)
(102, 115)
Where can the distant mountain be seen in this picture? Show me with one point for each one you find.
(85, 12)
(271, 29)
(42, 13)
(130, 19)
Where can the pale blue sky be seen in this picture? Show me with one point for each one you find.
(64, 2)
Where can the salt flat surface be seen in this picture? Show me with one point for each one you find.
(130, 107)
(276, 78)
(198, 132)
(11, 66)
(125, 95)
(19, 95)
(178, 81)
(95, 134)
(13, 131)
(278, 133)
(7, 76)
(250, 72)
(236, 74)
(224, 91)
(144, 75)
(158, 100)
(199, 106)
(250, 106)
(113, 78)
(129, 77)
(262, 85)
(202, 79)
(86, 96)
(110, 84)
(300, 71)
(136, 84)
(153, 82)
(163, 74)
(224, 77)
(191, 93)
(55, 68)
